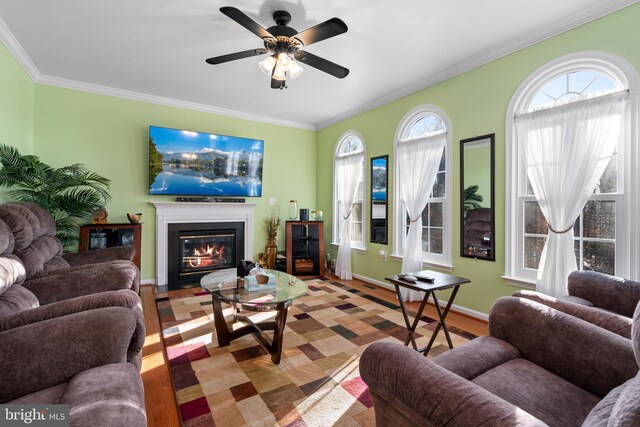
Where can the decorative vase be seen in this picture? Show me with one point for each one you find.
(293, 210)
(271, 251)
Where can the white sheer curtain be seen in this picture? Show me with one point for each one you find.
(418, 161)
(348, 177)
(567, 149)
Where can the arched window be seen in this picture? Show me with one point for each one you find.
(350, 144)
(423, 125)
(581, 84)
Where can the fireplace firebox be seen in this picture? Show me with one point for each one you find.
(197, 249)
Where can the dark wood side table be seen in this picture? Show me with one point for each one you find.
(98, 236)
(440, 282)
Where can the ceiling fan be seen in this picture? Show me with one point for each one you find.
(285, 46)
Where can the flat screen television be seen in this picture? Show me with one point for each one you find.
(186, 163)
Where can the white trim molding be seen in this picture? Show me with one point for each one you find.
(195, 212)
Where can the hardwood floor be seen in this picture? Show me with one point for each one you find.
(158, 391)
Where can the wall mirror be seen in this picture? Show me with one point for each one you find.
(477, 234)
(379, 211)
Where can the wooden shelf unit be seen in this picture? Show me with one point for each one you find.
(113, 235)
(305, 247)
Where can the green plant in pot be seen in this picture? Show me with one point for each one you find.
(70, 193)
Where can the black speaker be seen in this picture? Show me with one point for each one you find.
(304, 214)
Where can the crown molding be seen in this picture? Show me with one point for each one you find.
(169, 102)
(485, 57)
(6, 36)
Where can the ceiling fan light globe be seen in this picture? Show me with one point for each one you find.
(294, 69)
(267, 65)
(279, 73)
(284, 60)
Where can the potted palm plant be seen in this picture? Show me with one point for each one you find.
(70, 193)
(271, 225)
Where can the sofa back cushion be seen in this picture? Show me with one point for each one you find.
(33, 230)
(11, 272)
(7, 243)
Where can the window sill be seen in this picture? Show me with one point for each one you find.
(359, 249)
(520, 283)
(426, 264)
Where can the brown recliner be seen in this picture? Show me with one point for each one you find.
(603, 300)
(538, 366)
(20, 306)
(49, 272)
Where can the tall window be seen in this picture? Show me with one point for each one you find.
(601, 232)
(422, 123)
(349, 144)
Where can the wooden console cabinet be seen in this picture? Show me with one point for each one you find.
(99, 236)
(305, 248)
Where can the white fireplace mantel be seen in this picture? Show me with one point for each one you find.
(193, 212)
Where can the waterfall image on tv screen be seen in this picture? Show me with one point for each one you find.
(201, 164)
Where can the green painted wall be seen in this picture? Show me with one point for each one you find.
(476, 103)
(110, 135)
(16, 106)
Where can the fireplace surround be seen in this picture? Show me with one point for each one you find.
(197, 214)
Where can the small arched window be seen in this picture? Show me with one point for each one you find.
(422, 125)
(350, 145)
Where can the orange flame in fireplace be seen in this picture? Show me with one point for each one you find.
(206, 256)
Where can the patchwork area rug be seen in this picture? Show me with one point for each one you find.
(317, 382)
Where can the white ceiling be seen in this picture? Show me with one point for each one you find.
(156, 49)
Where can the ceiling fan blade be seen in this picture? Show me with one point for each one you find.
(237, 55)
(322, 31)
(244, 20)
(322, 64)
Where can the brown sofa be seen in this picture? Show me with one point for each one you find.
(48, 270)
(81, 351)
(603, 300)
(539, 366)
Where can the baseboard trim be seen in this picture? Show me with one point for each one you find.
(147, 282)
(457, 308)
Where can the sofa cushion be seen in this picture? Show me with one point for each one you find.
(16, 299)
(47, 223)
(626, 411)
(28, 215)
(109, 395)
(537, 391)
(19, 226)
(11, 272)
(40, 252)
(7, 242)
(477, 356)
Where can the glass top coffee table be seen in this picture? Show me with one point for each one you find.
(225, 286)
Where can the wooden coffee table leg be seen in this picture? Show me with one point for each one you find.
(278, 333)
(222, 331)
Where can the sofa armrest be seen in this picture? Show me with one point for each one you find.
(613, 322)
(123, 298)
(591, 357)
(43, 354)
(115, 253)
(82, 280)
(409, 389)
(611, 293)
